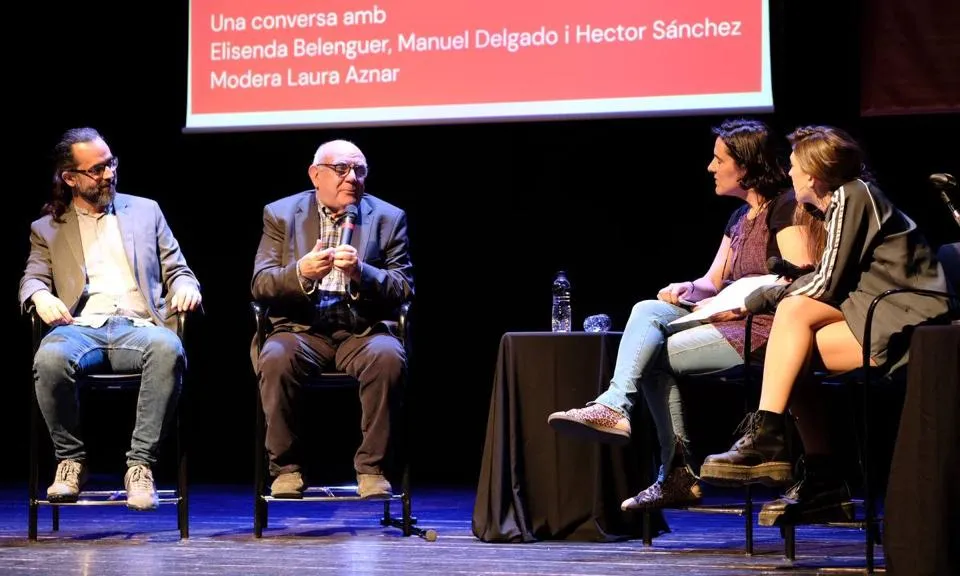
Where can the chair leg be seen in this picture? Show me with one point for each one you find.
(789, 535)
(407, 504)
(871, 528)
(407, 522)
(32, 520)
(646, 455)
(871, 525)
(387, 519)
(259, 474)
(183, 502)
(747, 392)
(33, 479)
(748, 519)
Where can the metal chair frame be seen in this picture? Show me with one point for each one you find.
(102, 381)
(343, 493)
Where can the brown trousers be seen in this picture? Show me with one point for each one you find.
(377, 360)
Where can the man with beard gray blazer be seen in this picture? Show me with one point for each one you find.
(106, 274)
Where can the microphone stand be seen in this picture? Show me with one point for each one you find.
(946, 200)
(944, 182)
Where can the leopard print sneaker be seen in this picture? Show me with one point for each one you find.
(680, 488)
(595, 422)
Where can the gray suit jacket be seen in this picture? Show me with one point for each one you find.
(56, 259)
(291, 227)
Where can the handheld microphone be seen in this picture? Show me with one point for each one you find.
(944, 182)
(817, 213)
(347, 224)
(781, 267)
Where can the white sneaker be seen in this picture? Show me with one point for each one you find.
(70, 476)
(141, 491)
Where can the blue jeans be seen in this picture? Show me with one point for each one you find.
(649, 358)
(67, 352)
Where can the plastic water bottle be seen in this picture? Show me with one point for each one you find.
(560, 316)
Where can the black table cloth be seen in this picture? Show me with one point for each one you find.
(536, 484)
(922, 508)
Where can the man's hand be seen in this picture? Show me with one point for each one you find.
(316, 263)
(346, 260)
(51, 309)
(186, 299)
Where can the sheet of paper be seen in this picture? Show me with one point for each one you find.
(730, 298)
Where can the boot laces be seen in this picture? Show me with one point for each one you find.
(141, 478)
(749, 425)
(68, 471)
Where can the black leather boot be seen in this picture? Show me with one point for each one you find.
(820, 496)
(758, 457)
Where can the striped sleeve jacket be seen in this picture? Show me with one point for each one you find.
(872, 247)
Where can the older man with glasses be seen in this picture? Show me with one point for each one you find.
(331, 301)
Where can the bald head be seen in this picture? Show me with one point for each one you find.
(338, 172)
(335, 148)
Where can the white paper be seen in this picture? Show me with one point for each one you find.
(732, 297)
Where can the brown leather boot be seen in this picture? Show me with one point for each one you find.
(288, 485)
(758, 457)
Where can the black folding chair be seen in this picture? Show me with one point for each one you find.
(103, 382)
(342, 493)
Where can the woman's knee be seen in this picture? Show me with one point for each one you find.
(651, 311)
(700, 350)
(806, 311)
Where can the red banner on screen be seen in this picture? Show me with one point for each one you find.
(258, 56)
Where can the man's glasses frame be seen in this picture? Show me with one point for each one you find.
(341, 169)
(96, 171)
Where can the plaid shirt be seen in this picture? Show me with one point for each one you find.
(332, 300)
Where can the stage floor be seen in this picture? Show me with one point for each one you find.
(348, 539)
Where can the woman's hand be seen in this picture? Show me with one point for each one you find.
(702, 303)
(728, 315)
(674, 293)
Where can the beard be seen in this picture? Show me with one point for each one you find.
(100, 196)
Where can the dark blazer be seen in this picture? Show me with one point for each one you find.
(56, 260)
(291, 227)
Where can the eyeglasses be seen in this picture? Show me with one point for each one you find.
(96, 172)
(342, 169)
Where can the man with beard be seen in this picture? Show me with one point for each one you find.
(106, 274)
(332, 303)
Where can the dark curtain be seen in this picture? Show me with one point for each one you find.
(910, 57)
